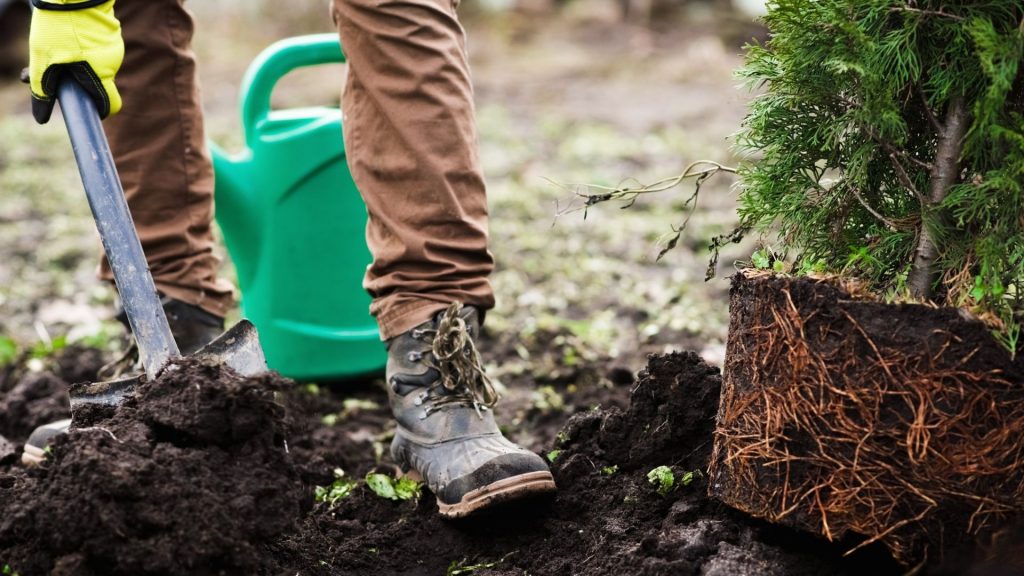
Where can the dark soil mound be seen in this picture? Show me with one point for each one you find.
(188, 477)
(606, 519)
(193, 477)
(29, 399)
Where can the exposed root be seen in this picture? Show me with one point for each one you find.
(824, 426)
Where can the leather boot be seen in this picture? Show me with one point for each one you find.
(446, 434)
(191, 326)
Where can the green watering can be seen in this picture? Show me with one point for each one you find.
(294, 225)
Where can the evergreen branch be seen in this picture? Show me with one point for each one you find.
(872, 211)
(924, 12)
(936, 125)
(904, 178)
(893, 150)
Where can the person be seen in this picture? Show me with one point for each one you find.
(411, 141)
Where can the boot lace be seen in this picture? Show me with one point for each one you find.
(456, 358)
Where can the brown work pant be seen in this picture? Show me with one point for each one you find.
(410, 139)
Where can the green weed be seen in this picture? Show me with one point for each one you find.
(387, 487)
(8, 350)
(663, 478)
(666, 480)
(610, 470)
(45, 349)
(338, 490)
(546, 399)
(553, 455)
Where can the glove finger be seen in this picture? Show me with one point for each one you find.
(113, 96)
(103, 92)
(83, 73)
(42, 108)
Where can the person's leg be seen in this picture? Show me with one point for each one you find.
(411, 141)
(159, 147)
(411, 145)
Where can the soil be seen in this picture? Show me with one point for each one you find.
(205, 473)
(189, 476)
(842, 414)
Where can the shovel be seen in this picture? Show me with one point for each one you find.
(238, 348)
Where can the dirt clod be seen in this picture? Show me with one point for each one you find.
(7, 450)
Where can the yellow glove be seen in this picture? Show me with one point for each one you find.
(79, 39)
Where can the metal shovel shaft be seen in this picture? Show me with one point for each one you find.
(117, 230)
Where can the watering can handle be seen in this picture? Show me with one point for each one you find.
(277, 60)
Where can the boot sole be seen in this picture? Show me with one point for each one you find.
(32, 456)
(514, 488)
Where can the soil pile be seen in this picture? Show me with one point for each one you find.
(188, 477)
(607, 518)
(193, 477)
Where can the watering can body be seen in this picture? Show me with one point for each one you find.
(294, 224)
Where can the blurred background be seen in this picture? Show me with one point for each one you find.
(568, 92)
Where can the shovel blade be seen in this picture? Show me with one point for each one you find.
(109, 393)
(238, 348)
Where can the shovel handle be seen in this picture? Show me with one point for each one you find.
(117, 230)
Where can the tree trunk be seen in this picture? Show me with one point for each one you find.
(945, 172)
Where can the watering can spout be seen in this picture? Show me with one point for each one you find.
(237, 213)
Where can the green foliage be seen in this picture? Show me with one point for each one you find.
(340, 489)
(663, 478)
(553, 455)
(385, 486)
(687, 478)
(8, 571)
(666, 480)
(8, 350)
(546, 399)
(610, 470)
(44, 349)
(842, 144)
